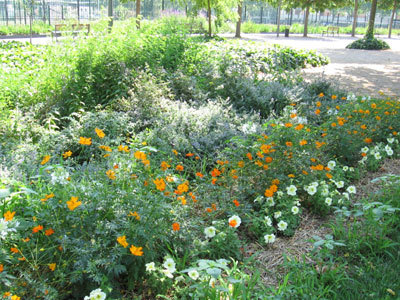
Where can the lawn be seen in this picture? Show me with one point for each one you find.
(143, 165)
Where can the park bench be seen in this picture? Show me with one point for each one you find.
(332, 30)
(73, 29)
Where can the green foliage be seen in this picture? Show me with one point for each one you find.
(368, 43)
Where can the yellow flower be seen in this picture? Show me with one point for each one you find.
(15, 297)
(111, 174)
(137, 251)
(134, 214)
(8, 216)
(160, 184)
(45, 159)
(164, 165)
(52, 266)
(105, 148)
(67, 154)
(100, 133)
(47, 197)
(140, 155)
(73, 203)
(85, 141)
(122, 148)
(122, 241)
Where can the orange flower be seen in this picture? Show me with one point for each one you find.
(137, 251)
(15, 297)
(321, 95)
(73, 203)
(317, 112)
(288, 125)
(14, 250)
(233, 223)
(236, 202)
(122, 241)
(249, 156)
(85, 141)
(176, 226)
(289, 144)
(100, 133)
(333, 124)
(122, 148)
(182, 188)
(329, 175)
(373, 105)
(52, 266)
(199, 175)
(303, 142)
(179, 168)
(214, 180)
(368, 140)
(111, 174)
(299, 127)
(215, 173)
(268, 159)
(134, 214)
(343, 98)
(140, 155)
(304, 172)
(318, 104)
(160, 184)
(47, 197)
(363, 154)
(189, 154)
(268, 193)
(105, 148)
(214, 206)
(363, 126)
(273, 188)
(241, 164)
(8, 216)
(37, 228)
(175, 152)
(293, 115)
(45, 159)
(164, 165)
(334, 97)
(275, 181)
(67, 154)
(49, 232)
(209, 209)
(291, 176)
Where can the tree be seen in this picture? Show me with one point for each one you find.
(355, 18)
(239, 21)
(371, 23)
(393, 5)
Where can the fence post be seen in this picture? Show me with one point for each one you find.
(24, 14)
(6, 11)
(77, 7)
(44, 11)
(90, 10)
(48, 10)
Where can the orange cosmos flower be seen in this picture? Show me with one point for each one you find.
(209, 209)
(333, 125)
(176, 226)
(215, 173)
(105, 148)
(49, 232)
(182, 188)
(317, 112)
(47, 197)
(299, 127)
(160, 184)
(37, 228)
(199, 174)
(73, 203)
(241, 164)
(321, 95)
(1, 268)
(85, 141)
(67, 154)
(233, 223)
(134, 214)
(52, 266)
(140, 155)
(288, 125)
(175, 152)
(334, 97)
(214, 206)
(45, 159)
(14, 250)
(122, 148)
(303, 142)
(179, 168)
(164, 165)
(291, 176)
(289, 144)
(100, 133)
(373, 105)
(293, 115)
(189, 154)
(214, 180)
(8, 216)
(122, 241)
(111, 174)
(268, 193)
(343, 98)
(137, 251)
(368, 140)
(363, 154)
(249, 156)
(268, 159)
(275, 181)
(236, 202)
(15, 297)
(329, 175)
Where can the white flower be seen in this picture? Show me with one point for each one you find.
(4, 229)
(365, 149)
(268, 221)
(377, 156)
(311, 189)
(390, 140)
(346, 195)
(345, 168)
(4, 193)
(277, 214)
(295, 210)
(168, 273)
(96, 295)
(234, 221)
(339, 184)
(351, 169)
(59, 175)
(209, 231)
(291, 190)
(351, 189)
(315, 183)
(389, 152)
(270, 201)
(325, 191)
(169, 264)
(150, 267)
(269, 238)
(328, 201)
(193, 274)
(331, 164)
(282, 225)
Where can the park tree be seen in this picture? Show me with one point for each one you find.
(392, 5)
(371, 23)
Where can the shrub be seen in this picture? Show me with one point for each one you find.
(369, 43)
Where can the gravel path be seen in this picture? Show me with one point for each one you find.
(362, 72)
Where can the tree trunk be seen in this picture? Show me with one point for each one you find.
(261, 14)
(306, 22)
(392, 17)
(371, 23)
(239, 21)
(110, 15)
(355, 18)
(78, 10)
(138, 14)
(209, 17)
(278, 20)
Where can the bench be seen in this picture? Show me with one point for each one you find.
(73, 29)
(332, 30)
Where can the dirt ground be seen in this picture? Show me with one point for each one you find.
(363, 72)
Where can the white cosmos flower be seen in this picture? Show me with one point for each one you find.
(209, 231)
(295, 210)
(169, 264)
(377, 156)
(345, 168)
(268, 221)
(282, 225)
(339, 184)
(315, 183)
(168, 273)
(150, 267)
(96, 295)
(351, 169)
(325, 191)
(277, 214)
(351, 189)
(389, 152)
(390, 140)
(328, 201)
(365, 149)
(291, 190)
(269, 238)
(193, 274)
(311, 189)
(346, 195)
(331, 164)
(270, 201)
(235, 221)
